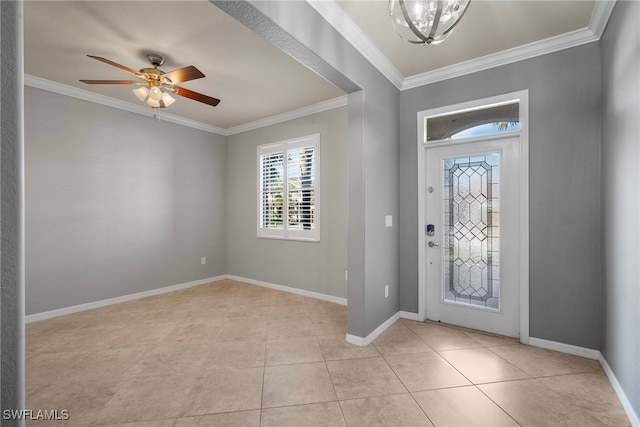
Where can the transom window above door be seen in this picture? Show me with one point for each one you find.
(475, 122)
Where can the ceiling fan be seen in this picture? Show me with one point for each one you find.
(155, 84)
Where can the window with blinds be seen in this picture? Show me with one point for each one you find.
(288, 189)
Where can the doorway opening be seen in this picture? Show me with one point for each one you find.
(473, 215)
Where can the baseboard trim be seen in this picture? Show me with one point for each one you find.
(124, 298)
(363, 342)
(624, 400)
(595, 355)
(303, 292)
(410, 316)
(565, 348)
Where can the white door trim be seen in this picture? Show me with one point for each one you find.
(523, 99)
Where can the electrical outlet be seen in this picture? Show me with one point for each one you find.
(386, 291)
(203, 260)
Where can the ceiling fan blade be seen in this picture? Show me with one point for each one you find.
(184, 74)
(115, 64)
(109, 82)
(195, 96)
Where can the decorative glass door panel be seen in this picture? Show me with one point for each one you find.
(472, 234)
(470, 228)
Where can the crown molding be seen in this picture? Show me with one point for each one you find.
(86, 95)
(319, 107)
(600, 16)
(509, 56)
(338, 19)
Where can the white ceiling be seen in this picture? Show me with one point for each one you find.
(487, 27)
(256, 80)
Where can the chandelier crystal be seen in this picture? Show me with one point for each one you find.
(426, 21)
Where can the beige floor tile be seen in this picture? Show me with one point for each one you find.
(326, 414)
(167, 359)
(443, 337)
(47, 368)
(336, 347)
(489, 340)
(251, 300)
(394, 410)
(111, 364)
(400, 340)
(194, 332)
(147, 398)
(285, 298)
(425, 371)
(278, 329)
(246, 353)
(531, 403)
(288, 312)
(225, 390)
(229, 419)
(110, 322)
(320, 305)
(55, 342)
(256, 314)
(43, 328)
(325, 310)
(138, 335)
(538, 362)
(593, 394)
(155, 423)
(462, 406)
(481, 365)
(296, 385)
(293, 350)
(357, 378)
(233, 329)
(82, 399)
(198, 356)
(326, 327)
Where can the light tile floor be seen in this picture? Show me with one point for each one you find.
(233, 354)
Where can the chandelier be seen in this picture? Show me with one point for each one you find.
(426, 21)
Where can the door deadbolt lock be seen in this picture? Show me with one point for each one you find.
(431, 229)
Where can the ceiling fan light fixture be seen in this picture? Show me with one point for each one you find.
(141, 93)
(426, 21)
(167, 99)
(154, 85)
(155, 93)
(154, 97)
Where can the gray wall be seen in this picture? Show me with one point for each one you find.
(117, 203)
(317, 267)
(564, 144)
(372, 151)
(11, 211)
(621, 197)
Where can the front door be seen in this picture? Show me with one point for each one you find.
(472, 234)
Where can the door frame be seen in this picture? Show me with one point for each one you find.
(522, 97)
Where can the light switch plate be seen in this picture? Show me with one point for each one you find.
(388, 220)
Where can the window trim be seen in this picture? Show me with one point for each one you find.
(285, 233)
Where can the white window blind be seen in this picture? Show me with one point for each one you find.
(288, 189)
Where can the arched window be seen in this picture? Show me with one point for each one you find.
(477, 122)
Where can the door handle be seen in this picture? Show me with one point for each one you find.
(432, 245)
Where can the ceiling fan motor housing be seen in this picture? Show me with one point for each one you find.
(155, 59)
